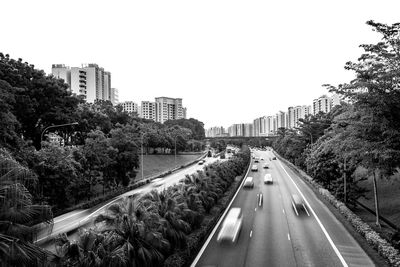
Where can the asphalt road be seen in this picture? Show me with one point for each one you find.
(69, 222)
(273, 235)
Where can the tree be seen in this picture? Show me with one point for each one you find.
(17, 212)
(125, 139)
(98, 156)
(40, 100)
(9, 124)
(196, 127)
(375, 95)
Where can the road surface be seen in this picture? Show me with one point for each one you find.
(274, 235)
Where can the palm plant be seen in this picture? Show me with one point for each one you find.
(17, 211)
(135, 234)
(173, 227)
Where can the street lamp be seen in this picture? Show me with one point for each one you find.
(55, 126)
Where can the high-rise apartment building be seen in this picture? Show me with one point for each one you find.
(215, 132)
(130, 107)
(148, 110)
(260, 126)
(114, 98)
(169, 109)
(89, 81)
(296, 113)
(247, 129)
(325, 103)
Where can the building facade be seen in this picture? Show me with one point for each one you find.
(89, 81)
(130, 107)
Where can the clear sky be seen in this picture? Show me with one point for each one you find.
(231, 61)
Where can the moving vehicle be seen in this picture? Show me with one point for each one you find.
(298, 204)
(157, 182)
(248, 182)
(201, 162)
(256, 159)
(274, 158)
(268, 179)
(266, 166)
(254, 168)
(231, 226)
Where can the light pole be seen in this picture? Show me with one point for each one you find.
(175, 150)
(141, 150)
(55, 126)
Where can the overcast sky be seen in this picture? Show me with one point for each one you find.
(230, 61)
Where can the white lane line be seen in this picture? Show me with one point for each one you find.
(255, 209)
(318, 220)
(288, 237)
(219, 222)
(251, 233)
(283, 210)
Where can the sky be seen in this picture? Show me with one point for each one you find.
(230, 61)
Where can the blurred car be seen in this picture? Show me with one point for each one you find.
(274, 158)
(256, 159)
(201, 162)
(254, 168)
(248, 183)
(268, 179)
(262, 158)
(298, 204)
(157, 182)
(266, 166)
(231, 226)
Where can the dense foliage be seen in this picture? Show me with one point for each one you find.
(159, 227)
(363, 131)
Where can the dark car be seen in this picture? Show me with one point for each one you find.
(274, 158)
(298, 204)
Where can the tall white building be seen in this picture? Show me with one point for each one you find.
(130, 107)
(247, 129)
(296, 113)
(325, 103)
(215, 132)
(114, 98)
(169, 109)
(148, 110)
(89, 81)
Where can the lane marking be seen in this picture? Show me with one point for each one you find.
(317, 219)
(283, 210)
(255, 209)
(288, 236)
(251, 233)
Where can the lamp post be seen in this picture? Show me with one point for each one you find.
(141, 150)
(175, 150)
(55, 126)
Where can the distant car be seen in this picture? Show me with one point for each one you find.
(298, 204)
(268, 179)
(254, 168)
(274, 158)
(249, 183)
(157, 182)
(231, 226)
(266, 166)
(256, 160)
(262, 158)
(201, 162)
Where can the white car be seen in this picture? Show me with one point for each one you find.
(231, 226)
(248, 182)
(254, 168)
(268, 179)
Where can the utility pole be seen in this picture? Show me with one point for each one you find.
(345, 182)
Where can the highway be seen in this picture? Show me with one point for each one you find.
(274, 235)
(71, 221)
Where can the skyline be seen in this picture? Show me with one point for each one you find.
(226, 56)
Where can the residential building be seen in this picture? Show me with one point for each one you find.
(148, 110)
(130, 107)
(216, 132)
(296, 113)
(168, 109)
(114, 96)
(325, 103)
(89, 81)
(247, 129)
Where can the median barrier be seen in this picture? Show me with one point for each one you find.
(382, 246)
